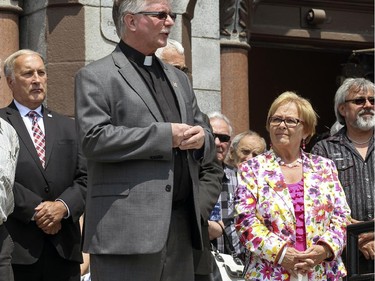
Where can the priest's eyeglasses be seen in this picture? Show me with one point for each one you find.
(160, 15)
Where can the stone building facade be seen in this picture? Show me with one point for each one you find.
(242, 53)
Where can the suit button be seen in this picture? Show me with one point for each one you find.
(168, 188)
(46, 189)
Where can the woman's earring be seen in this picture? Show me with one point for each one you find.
(303, 144)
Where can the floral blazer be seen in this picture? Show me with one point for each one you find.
(266, 221)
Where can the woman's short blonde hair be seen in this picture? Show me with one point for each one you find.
(305, 111)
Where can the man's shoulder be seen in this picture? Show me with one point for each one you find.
(331, 141)
(7, 110)
(101, 64)
(59, 118)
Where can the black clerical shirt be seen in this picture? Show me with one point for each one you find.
(165, 98)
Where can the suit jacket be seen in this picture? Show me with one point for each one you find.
(130, 161)
(266, 219)
(64, 177)
(210, 184)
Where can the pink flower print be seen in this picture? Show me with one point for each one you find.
(256, 242)
(279, 186)
(266, 271)
(320, 210)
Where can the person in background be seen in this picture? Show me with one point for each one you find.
(352, 151)
(291, 209)
(9, 149)
(222, 216)
(210, 175)
(174, 54)
(50, 180)
(245, 146)
(145, 139)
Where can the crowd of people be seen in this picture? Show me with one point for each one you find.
(143, 185)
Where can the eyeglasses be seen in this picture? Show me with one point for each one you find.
(182, 68)
(362, 100)
(290, 122)
(222, 137)
(160, 15)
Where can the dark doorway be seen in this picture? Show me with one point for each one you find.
(313, 74)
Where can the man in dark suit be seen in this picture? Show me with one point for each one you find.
(144, 138)
(50, 180)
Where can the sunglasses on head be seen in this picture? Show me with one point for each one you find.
(160, 15)
(222, 137)
(362, 100)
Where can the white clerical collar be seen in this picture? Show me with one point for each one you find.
(148, 61)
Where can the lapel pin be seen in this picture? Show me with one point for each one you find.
(175, 84)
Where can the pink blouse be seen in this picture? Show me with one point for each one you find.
(296, 192)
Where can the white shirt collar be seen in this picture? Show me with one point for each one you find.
(25, 110)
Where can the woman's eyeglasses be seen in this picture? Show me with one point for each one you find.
(160, 15)
(290, 122)
(362, 100)
(222, 137)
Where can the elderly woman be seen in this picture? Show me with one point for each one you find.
(291, 209)
(245, 146)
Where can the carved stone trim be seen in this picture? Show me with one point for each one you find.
(234, 18)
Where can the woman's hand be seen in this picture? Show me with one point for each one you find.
(289, 261)
(307, 260)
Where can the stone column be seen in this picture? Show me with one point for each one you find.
(9, 42)
(205, 40)
(56, 29)
(234, 23)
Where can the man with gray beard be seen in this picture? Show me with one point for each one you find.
(352, 150)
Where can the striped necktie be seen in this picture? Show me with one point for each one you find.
(39, 141)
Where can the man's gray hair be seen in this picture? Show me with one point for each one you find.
(350, 84)
(236, 140)
(122, 7)
(9, 61)
(219, 115)
(171, 44)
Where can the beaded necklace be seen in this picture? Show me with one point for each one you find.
(295, 163)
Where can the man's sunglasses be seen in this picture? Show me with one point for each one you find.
(362, 100)
(182, 68)
(160, 15)
(222, 137)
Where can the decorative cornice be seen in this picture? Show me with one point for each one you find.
(235, 16)
(352, 5)
(11, 8)
(224, 42)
